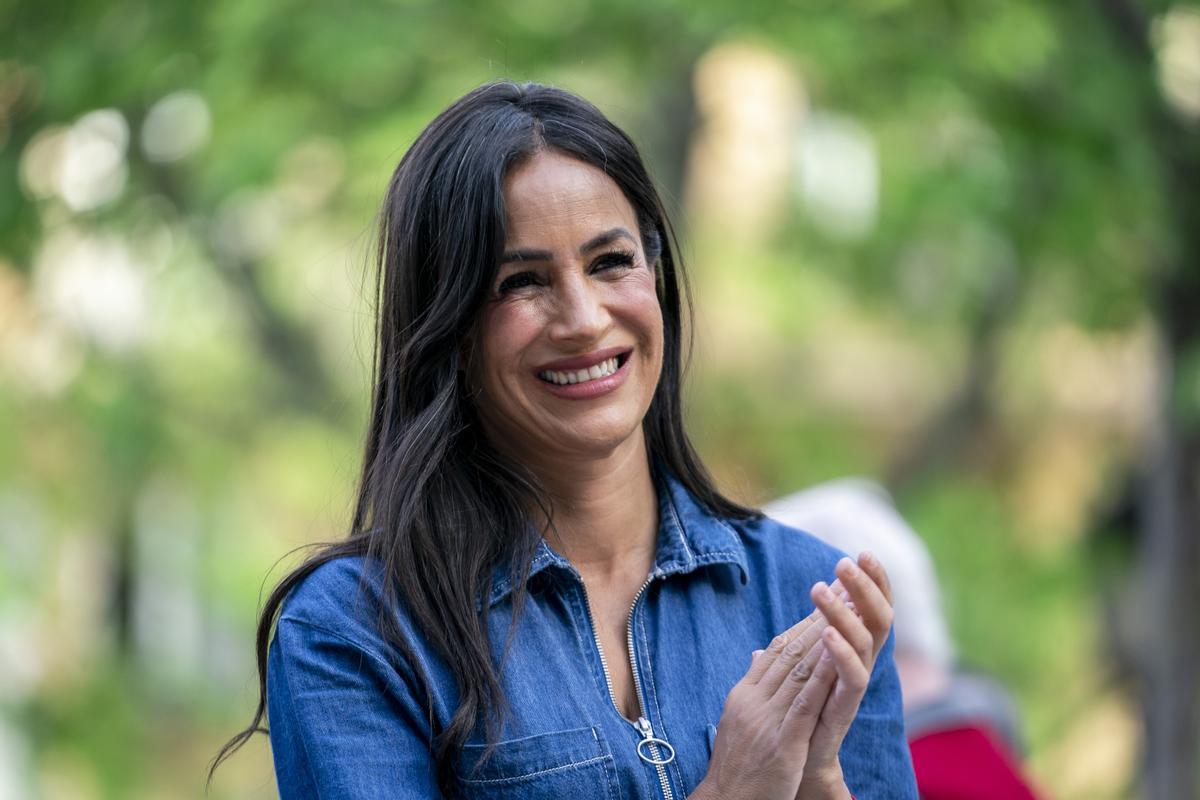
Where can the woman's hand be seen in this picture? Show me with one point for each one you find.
(763, 737)
(825, 659)
(859, 630)
(769, 717)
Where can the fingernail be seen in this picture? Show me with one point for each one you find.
(756, 654)
(866, 556)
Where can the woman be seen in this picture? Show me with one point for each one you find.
(543, 595)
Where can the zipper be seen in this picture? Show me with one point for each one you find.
(643, 726)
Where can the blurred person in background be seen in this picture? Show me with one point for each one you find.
(962, 726)
(543, 595)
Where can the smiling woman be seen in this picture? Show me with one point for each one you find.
(564, 289)
(542, 594)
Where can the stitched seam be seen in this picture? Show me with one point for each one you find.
(378, 659)
(576, 613)
(548, 736)
(714, 556)
(578, 604)
(679, 525)
(504, 587)
(610, 769)
(737, 557)
(707, 558)
(546, 771)
(406, 672)
(737, 538)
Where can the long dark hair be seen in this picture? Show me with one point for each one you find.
(438, 506)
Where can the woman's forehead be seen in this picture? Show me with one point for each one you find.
(553, 197)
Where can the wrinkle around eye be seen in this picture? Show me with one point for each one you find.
(615, 265)
(515, 282)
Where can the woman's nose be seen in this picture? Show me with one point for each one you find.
(580, 314)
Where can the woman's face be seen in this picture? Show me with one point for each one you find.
(570, 342)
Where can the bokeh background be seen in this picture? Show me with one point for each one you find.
(951, 245)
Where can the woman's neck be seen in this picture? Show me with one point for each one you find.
(605, 511)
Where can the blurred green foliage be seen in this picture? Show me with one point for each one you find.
(161, 448)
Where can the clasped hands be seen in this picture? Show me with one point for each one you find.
(783, 723)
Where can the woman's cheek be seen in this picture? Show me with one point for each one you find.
(509, 326)
(642, 314)
(638, 289)
(641, 299)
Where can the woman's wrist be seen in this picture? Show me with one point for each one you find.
(824, 784)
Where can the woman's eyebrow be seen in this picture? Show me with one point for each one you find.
(608, 237)
(526, 255)
(599, 240)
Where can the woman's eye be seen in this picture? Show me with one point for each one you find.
(614, 259)
(516, 281)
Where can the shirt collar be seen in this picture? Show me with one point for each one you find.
(689, 537)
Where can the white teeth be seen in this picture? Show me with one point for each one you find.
(601, 370)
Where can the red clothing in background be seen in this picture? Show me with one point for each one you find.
(966, 764)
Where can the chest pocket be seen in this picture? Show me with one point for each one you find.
(561, 764)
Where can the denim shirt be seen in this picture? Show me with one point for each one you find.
(348, 720)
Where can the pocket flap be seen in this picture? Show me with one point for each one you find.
(532, 755)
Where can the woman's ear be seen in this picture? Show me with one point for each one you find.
(652, 250)
(652, 245)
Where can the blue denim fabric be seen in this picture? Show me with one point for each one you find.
(347, 719)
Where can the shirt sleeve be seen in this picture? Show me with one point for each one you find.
(875, 756)
(343, 722)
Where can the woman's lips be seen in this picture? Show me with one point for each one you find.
(584, 361)
(594, 387)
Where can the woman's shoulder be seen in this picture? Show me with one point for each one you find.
(341, 603)
(340, 595)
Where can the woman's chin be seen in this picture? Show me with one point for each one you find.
(546, 435)
(594, 439)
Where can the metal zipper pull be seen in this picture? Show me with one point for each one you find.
(652, 743)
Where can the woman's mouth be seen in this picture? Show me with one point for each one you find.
(586, 382)
(594, 372)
